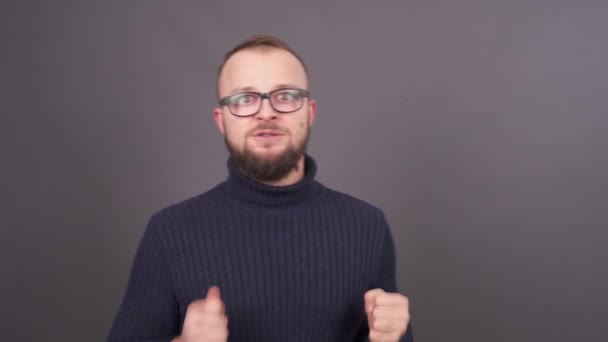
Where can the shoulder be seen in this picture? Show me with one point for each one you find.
(362, 221)
(354, 205)
(188, 211)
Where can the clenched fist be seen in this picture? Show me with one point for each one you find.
(387, 315)
(205, 320)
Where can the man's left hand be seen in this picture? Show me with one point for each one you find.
(388, 315)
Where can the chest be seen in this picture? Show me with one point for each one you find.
(311, 276)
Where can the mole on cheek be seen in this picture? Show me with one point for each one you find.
(302, 124)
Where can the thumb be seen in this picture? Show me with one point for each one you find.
(213, 301)
(370, 299)
(214, 293)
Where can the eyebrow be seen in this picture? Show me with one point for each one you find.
(253, 89)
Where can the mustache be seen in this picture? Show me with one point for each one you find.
(268, 126)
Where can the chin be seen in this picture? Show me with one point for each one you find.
(269, 153)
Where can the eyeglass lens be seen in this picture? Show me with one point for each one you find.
(282, 100)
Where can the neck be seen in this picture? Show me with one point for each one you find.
(292, 177)
(294, 192)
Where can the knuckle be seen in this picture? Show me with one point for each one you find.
(194, 306)
(381, 324)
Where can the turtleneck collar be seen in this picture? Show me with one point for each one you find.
(251, 192)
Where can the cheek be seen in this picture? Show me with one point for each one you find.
(299, 129)
(234, 132)
(300, 132)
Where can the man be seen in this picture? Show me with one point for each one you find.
(270, 254)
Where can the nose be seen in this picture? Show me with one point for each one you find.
(266, 111)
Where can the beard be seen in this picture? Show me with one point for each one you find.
(267, 169)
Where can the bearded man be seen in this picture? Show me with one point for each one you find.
(270, 254)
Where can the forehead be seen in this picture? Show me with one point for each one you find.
(261, 70)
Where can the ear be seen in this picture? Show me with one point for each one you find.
(312, 105)
(217, 117)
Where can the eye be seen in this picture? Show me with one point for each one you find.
(242, 99)
(286, 96)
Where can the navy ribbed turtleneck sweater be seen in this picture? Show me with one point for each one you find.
(292, 263)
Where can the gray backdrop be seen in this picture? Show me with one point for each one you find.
(479, 126)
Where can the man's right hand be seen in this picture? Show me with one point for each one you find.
(206, 320)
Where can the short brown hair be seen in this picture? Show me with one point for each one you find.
(259, 42)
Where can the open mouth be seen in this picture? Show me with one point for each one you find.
(267, 134)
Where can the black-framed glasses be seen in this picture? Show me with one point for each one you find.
(285, 100)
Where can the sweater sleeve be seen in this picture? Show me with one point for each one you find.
(385, 273)
(148, 312)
